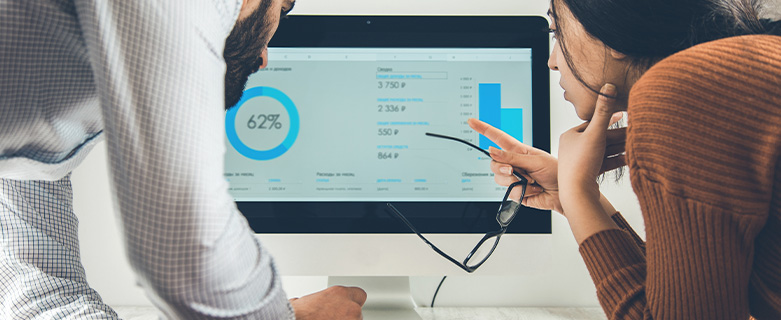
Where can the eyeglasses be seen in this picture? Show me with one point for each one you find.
(508, 209)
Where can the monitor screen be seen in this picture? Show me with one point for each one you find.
(335, 126)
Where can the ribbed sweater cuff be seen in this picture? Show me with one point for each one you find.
(620, 221)
(623, 224)
(609, 251)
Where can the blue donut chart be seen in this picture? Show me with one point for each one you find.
(262, 155)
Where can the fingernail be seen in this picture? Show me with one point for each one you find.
(506, 170)
(608, 89)
(495, 151)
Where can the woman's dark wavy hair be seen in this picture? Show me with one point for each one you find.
(647, 31)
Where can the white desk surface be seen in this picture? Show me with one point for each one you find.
(148, 313)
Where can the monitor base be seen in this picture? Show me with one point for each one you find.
(388, 298)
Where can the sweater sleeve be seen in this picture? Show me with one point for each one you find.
(696, 268)
(623, 224)
(702, 158)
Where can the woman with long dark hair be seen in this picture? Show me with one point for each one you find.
(701, 83)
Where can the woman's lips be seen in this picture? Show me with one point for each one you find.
(565, 91)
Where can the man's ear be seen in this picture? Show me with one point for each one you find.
(246, 9)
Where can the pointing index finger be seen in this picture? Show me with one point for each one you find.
(502, 139)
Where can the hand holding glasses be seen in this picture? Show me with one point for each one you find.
(508, 209)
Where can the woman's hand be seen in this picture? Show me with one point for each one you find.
(539, 167)
(582, 153)
(615, 146)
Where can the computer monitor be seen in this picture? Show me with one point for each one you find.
(334, 128)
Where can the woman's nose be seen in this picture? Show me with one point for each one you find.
(553, 59)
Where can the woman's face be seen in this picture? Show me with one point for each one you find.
(596, 63)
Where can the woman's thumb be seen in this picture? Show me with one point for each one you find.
(604, 109)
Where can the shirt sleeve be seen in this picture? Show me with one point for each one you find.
(160, 74)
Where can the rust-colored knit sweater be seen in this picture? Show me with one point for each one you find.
(703, 149)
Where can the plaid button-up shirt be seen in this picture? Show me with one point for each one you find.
(148, 77)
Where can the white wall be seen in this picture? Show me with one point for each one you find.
(566, 283)
(772, 9)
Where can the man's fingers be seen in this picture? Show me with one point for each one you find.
(502, 139)
(600, 121)
(356, 294)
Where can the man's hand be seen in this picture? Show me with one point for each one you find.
(335, 302)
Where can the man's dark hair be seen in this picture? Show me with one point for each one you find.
(242, 52)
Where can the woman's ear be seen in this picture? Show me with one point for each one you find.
(616, 55)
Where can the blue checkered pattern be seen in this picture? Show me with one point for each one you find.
(146, 76)
(40, 273)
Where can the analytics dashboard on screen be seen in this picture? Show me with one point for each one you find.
(349, 124)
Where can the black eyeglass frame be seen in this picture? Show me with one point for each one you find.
(522, 181)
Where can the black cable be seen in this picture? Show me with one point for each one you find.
(435, 292)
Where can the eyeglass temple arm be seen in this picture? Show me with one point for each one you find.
(433, 247)
(441, 136)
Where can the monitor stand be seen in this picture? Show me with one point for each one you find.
(388, 298)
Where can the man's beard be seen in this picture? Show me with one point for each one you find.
(243, 48)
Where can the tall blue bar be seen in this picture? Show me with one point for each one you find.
(490, 104)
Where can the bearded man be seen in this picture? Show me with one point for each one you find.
(150, 77)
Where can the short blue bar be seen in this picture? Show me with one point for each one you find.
(512, 122)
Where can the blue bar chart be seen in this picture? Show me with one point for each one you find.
(491, 111)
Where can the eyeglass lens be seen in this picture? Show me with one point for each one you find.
(482, 251)
(509, 207)
(507, 212)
